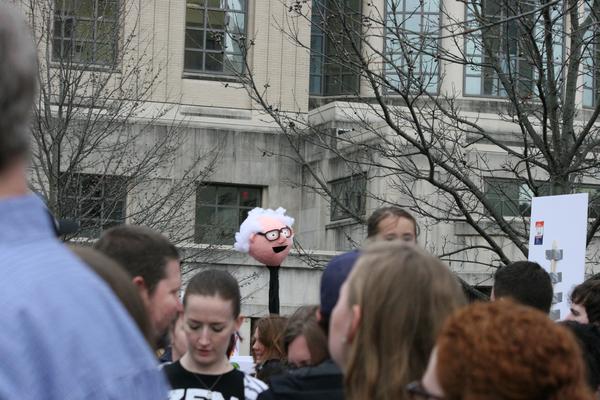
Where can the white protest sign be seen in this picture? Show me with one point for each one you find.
(557, 241)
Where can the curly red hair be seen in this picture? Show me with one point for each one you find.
(505, 351)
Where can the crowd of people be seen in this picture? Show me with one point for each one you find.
(392, 322)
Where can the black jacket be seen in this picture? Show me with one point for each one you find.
(324, 381)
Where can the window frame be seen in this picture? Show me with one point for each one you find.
(466, 67)
(422, 17)
(108, 202)
(225, 73)
(112, 42)
(594, 69)
(324, 55)
(199, 235)
(334, 214)
(593, 210)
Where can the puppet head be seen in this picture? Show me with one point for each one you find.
(266, 235)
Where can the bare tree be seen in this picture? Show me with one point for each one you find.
(104, 149)
(462, 164)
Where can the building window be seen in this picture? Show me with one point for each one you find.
(213, 29)
(350, 193)
(508, 197)
(511, 198)
(591, 60)
(508, 48)
(335, 32)
(85, 31)
(220, 209)
(412, 28)
(96, 202)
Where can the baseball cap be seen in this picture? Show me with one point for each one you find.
(336, 272)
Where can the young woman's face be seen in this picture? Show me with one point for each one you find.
(209, 324)
(258, 349)
(396, 228)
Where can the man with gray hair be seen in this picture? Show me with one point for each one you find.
(63, 334)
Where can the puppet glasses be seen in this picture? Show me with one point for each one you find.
(274, 234)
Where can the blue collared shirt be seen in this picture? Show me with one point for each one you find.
(63, 334)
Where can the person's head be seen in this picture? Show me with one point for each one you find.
(153, 264)
(120, 283)
(588, 338)
(392, 223)
(585, 303)
(177, 338)
(211, 303)
(304, 341)
(504, 350)
(266, 235)
(526, 282)
(334, 275)
(18, 83)
(388, 314)
(267, 340)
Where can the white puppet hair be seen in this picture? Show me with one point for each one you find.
(251, 225)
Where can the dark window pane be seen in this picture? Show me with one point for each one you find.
(194, 39)
(216, 19)
(84, 30)
(115, 211)
(227, 217)
(56, 49)
(194, 18)
(106, 31)
(243, 214)
(315, 84)
(205, 224)
(214, 40)
(207, 194)
(58, 27)
(216, 3)
(85, 8)
(214, 62)
(193, 60)
(108, 8)
(105, 53)
(227, 196)
(249, 197)
(91, 209)
(349, 83)
(91, 186)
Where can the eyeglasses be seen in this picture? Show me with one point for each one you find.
(275, 233)
(416, 391)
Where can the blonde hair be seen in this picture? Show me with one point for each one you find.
(404, 296)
